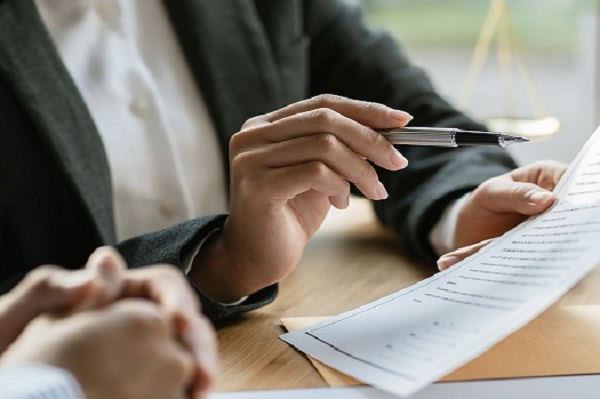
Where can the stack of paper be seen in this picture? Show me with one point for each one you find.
(403, 342)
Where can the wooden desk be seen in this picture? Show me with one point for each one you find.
(351, 261)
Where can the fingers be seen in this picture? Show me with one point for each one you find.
(148, 330)
(350, 121)
(324, 148)
(545, 174)
(366, 113)
(202, 342)
(49, 288)
(166, 286)
(192, 354)
(503, 195)
(364, 141)
(45, 289)
(52, 289)
(318, 139)
(283, 184)
(525, 190)
(451, 258)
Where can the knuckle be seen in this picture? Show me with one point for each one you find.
(519, 190)
(539, 164)
(482, 191)
(326, 143)
(39, 279)
(345, 186)
(181, 364)
(145, 317)
(39, 274)
(375, 139)
(318, 169)
(235, 143)
(324, 100)
(324, 116)
(373, 107)
(546, 179)
(167, 272)
(254, 122)
(367, 172)
(187, 370)
(242, 161)
(247, 137)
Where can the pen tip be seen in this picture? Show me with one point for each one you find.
(512, 139)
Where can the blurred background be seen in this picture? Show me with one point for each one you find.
(538, 60)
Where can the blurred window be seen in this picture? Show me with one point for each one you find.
(556, 39)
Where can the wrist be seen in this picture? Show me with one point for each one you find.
(214, 271)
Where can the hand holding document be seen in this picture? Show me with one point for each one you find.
(403, 342)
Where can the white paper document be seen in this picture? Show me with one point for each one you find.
(579, 387)
(407, 340)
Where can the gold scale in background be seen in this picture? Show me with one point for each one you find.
(509, 51)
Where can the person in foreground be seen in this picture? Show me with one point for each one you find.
(104, 332)
(95, 152)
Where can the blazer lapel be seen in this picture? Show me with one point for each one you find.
(31, 65)
(229, 53)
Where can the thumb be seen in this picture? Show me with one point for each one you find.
(517, 197)
(107, 267)
(451, 258)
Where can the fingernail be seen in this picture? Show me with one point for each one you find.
(398, 160)
(99, 256)
(381, 191)
(108, 266)
(446, 261)
(400, 115)
(106, 260)
(541, 197)
(348, 202)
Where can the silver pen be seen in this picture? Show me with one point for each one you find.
(449, 137)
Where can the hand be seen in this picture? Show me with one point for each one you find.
(50, 289)
(165, 286)
(126, 350)
(287, 168)
(501, 203)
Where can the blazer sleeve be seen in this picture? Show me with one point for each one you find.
(349, 59)
(170, 246)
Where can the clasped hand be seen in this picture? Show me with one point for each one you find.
(123, 334)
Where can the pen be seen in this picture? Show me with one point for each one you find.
(449, 137)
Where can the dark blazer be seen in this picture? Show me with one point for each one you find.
(248, 57)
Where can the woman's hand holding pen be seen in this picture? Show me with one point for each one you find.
(287, 168)
(500, 203)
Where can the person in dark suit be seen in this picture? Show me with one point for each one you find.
(293, 90)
